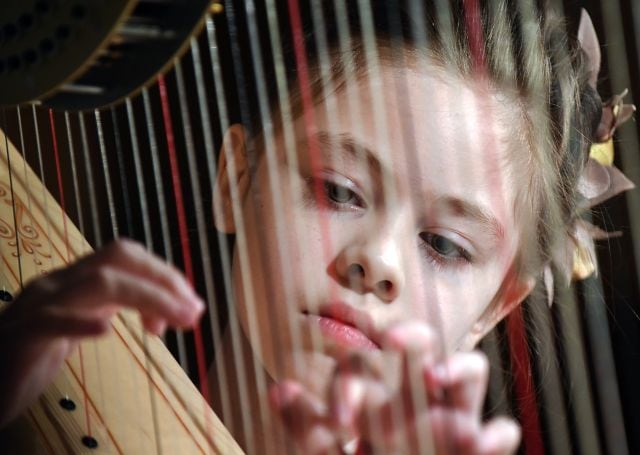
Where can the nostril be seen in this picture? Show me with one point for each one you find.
(355, 271)
(385, 287)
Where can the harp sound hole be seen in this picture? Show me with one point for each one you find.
(67, 404)
(90, 442)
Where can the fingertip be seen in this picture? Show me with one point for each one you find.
(156, 326)
(189, 312)
(410, 335)
(500, 436)
(283, 394)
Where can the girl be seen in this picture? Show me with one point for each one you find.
(417, 184)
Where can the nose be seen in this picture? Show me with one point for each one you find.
(372, 265)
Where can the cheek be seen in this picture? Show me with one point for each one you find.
(452, 302)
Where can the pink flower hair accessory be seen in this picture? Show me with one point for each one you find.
(600, 179)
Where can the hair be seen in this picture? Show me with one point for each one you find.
(521, 48)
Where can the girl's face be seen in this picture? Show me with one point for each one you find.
(397, 203)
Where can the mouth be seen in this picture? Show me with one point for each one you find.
(344, 326)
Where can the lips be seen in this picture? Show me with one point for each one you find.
(345, 326)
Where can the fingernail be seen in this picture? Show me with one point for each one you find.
(440, 373)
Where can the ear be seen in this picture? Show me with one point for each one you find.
(591, 46)
(514, 291)
(232, 181)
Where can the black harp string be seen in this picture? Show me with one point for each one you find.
(162, 207)
(233, 322)
(210, 155)
(241, 238)
(620, 76)
(597, 330)
(13, 201)
(26, 180)
(42, 177)
(122, 172)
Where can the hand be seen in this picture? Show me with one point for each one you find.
(53, 313)
(362, 414)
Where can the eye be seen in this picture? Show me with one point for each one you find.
(339, 194)
(445, 248)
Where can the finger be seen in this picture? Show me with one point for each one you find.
(453, 431)
(157, 326)
(464, 377)
(109, 286)
(500, 436)
(298, 409)
(69, 325)
(133, 258)
(412, 336)
(420, 349)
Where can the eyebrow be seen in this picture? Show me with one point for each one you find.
(460, 207)
(354, 150)
(467, 209)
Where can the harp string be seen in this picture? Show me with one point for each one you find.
(13, 199)
(121, 171)
(184, 236)
(523, 384)
(140, 180)
(41, 169)
(239, 366)
(98, 237)
(115, 228)
(56, 156)
(269, 154)
(270, 157)
(74, 173)
(619, 72)
(381, 101)
(162, 208)
(86, 155)
(260, 376)
(214, 320)
(113, 217)
(144, 208)
(200, 226)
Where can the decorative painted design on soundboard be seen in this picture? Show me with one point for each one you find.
(30, 245)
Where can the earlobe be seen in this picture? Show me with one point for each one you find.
(513, 293)
(232, 181)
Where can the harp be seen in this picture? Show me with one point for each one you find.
(131, 89)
